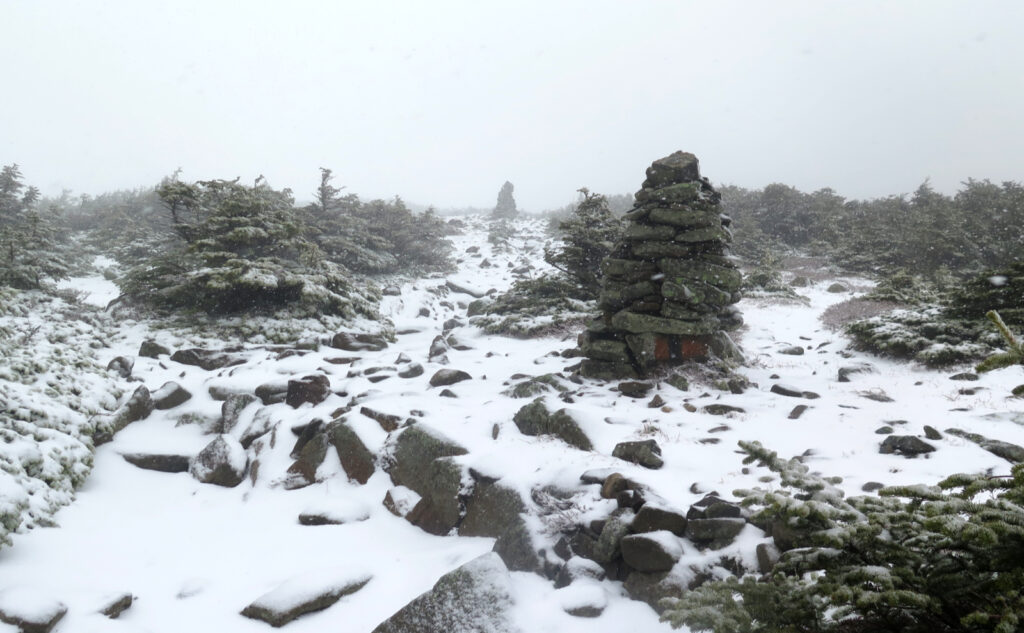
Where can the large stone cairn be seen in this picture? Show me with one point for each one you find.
(506, 206)
(669, 285)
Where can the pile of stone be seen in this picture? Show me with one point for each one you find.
(670, 284)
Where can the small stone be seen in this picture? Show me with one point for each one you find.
(358, 342)
(837, 288)
(931, 433)
(223, 462)
(964, 376)
(412, 371)
(645, 453)
(122, 365)
(656, 402)
(795, 350)
(613, 485)
(721, 409)
(884, 430)
(116, 605)
(872, 486)
(388, 422)
(160, 462)
(635, 389)
(304, 594)
(152, 349)
(797, 411)
(906, 445)
(446, 377)
(786, 390)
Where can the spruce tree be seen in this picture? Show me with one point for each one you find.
(29, 249)
(588, 235)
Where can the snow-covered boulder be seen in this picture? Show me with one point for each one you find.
(223, 462)
(304, 594)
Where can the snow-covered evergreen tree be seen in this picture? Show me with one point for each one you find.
(28, 240)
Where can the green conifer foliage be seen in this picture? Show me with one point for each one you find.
(28, 240)
(917, 559)
(589, 235)
(240, 248)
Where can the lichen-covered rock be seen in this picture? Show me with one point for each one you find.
(152, 349)
(356, 460)
(496, 511)
(231, 410)
(646, 453)
(475, 598)
(440, 508)
(222, 462)
(534, 419)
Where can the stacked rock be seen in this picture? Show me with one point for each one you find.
(670, 284)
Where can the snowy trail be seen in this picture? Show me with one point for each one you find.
(195, 555)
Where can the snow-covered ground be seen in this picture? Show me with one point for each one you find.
(195, 555)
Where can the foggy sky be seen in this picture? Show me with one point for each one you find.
(441, 102)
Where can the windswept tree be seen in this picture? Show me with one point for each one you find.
(240, 248)
(588, 236)
(28, 240)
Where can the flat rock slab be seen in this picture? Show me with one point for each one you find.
(476, 293)
(305, 594)
(29, 610)
(164, 463)
(475, 598)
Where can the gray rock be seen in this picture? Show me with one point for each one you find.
(206, 359)
(300, 596)
(838, 287)
(651, 551)
(767, 555)
(302, 472)
(387, 421)
(138, 407)
(797, 411)
(844, 373)
(607, 370)
(646, 453)
(358, 342)
(391, 291)
(170, 395)
(313, 389)
(231, 410)
(721, 409)
(473, 292)
(635, 389)
(160, 462)
(608, 546)
(438, 349)
(651, 518)
(794, 350)
(272, 392)
(1010, 452)
(122, 365)
(786, 390)
(223, 462)
(412, 371)
(356, 460)
(420, 463)
(446, 377)
(475, 598)
(652, 588)
(30, 612)
(968, 376)
(714, 532)
(906, 445)
(577, 568)
(116, 605)
(152, 349)
(496, 511)
(534, 419)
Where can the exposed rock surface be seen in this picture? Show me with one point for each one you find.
(646, 453)
(29, 610)
(304, 594)
(357, 460)
(313, 389)
(170, 395)
(358, 342)
(223, 462)
(446, 377)
(160, 462)
(475, 598)
(138, 407)
(535, 419)
(906, 445)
